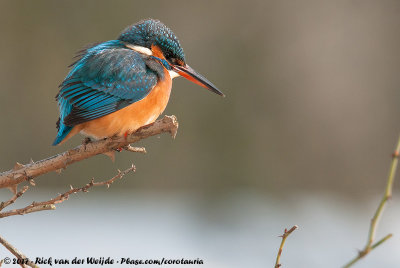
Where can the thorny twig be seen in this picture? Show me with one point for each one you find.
(129, 148)
(28, 172)
(286, 233)
(50, 204)
(20, 173)
(378, 213)
(12, 199)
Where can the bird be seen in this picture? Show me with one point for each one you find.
(115, 87)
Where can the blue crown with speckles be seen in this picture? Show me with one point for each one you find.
(150, 31)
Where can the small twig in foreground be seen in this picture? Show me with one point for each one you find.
(50, 204)
(378, 213)
(17, 253)
(286, 233)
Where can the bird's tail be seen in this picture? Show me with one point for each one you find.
(63, 131)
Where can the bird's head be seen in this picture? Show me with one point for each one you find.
(153, 38)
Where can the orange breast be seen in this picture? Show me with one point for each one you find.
(130, 118)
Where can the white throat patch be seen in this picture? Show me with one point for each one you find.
(148, 52)
(140, 49)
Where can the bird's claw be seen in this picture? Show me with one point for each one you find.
(85, 142)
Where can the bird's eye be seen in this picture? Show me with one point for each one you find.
(175, 61)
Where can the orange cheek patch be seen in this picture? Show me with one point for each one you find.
(157, 52)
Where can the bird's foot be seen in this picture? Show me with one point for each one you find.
(85, 142)
(120, 148)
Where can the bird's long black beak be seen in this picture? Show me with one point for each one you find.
(191, 75)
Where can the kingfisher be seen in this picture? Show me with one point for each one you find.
(118, 86)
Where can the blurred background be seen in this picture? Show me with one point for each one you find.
(303, 137)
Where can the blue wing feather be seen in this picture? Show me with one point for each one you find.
(106, 78)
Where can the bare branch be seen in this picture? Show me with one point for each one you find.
(129, 148)
(29, 171)
(17, 253)
(15, 197)
(286, 233)
(378, 213)
(20, 173)
(50, 204)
